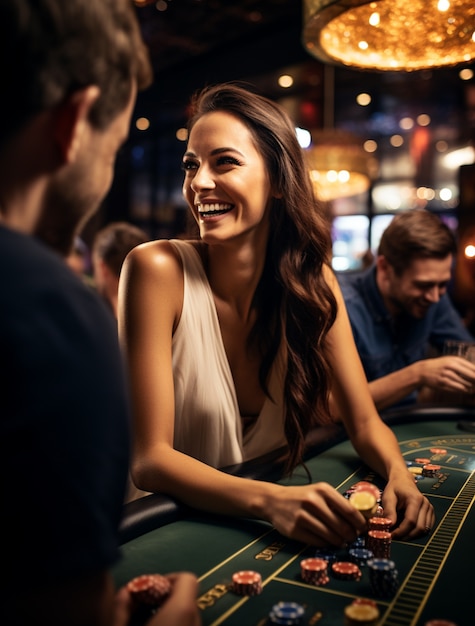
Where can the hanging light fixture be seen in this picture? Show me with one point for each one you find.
(339, 166)
(390, 35)
(338, 163)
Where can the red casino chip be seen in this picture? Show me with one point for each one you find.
(364, 485)
(247, 583)
(345, 570)
(438, 451)
(314, 571)
(149, 589)
(379, 542)
(430, 470)
(380, 523)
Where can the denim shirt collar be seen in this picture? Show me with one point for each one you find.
(373, 297)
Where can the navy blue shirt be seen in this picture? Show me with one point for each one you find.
(388, 344)
(64, 419)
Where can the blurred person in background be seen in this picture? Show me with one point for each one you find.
(400, 311)
(110, 247)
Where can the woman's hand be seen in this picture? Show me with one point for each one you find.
(411, 512)
(315, 514)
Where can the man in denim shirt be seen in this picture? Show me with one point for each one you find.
(399, 309)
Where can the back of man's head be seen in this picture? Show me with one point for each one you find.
(415, 234)
(51, 48)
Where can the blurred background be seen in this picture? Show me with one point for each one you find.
(409, 135)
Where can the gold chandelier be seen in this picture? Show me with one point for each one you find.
(339, 166)
(390, 35)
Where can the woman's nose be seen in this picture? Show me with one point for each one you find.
(202, 179)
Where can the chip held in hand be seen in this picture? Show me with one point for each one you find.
(365, 502)
(149, 590)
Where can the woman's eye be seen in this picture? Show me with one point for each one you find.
(228, 160)
(188, 165)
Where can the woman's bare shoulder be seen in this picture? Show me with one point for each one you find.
(159, 258)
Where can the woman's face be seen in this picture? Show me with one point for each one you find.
(226, 182)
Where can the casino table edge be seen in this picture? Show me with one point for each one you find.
(155, 510)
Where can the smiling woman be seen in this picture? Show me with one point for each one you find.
(238, 343)
(220, 180)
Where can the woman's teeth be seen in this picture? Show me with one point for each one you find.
(215, 208)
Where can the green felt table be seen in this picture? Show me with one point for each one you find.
(435, 572)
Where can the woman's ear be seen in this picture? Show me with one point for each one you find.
(71, 121)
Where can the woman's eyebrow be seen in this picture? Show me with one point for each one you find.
(216, 151)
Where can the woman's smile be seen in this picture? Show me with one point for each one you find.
(213, 209)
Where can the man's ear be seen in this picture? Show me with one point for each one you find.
(385, 269)
(71, 121)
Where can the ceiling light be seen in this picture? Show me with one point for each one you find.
(390, 34)
(339, 166)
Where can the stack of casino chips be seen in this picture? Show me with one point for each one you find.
(379, 542)
(314, 571)
(379, 523)
(360, 555)
(346, 570)
(287, 613)
(247, 583)
(362, 612)
(383, 577)
(430, 470)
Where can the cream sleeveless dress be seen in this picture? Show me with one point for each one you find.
(207, 420)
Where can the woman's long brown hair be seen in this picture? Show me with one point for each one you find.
(294, 303)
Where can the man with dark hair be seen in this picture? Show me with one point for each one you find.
(69, 70)
(399, 308)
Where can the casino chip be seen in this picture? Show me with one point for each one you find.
(247, 583)
(430, 470)
(362, 612)
(360, 555)
(364, 485)
(286, 613)
(314, 571)
(379, 542)
(383, 577)
(149, 590)
(379, 523)
(346, 570)
(365, 502)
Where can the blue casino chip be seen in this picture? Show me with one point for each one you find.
(360, 555)
(383, 577)
(286, 613)
(325, 553)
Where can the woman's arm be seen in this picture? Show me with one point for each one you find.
(371, 437)
(150, 303)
